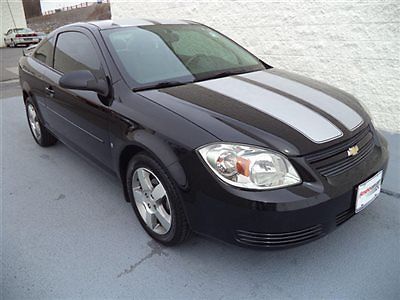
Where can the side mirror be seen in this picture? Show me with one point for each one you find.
(29, 50)
(84, 80)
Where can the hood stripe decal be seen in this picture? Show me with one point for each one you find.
(337, 109)
(306, 121)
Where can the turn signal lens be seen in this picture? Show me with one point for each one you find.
(249, 167)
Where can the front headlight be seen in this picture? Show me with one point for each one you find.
(249, 167)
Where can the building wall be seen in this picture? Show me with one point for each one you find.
(354, 45)
(32, 8)
(12, 16)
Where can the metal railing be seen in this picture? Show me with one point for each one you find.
(81, 5)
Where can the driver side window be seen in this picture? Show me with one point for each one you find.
(74, 51)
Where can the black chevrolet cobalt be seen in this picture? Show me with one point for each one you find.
(205, 136)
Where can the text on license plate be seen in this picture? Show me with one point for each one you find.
(368, 191)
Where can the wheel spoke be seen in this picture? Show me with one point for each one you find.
(158, 192)
(150, 219)
(144, 180)
(163, 218)
(139, 197)
(30, 114)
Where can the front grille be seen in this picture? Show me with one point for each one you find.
(344, 216)
(334, 161)
(278, 239)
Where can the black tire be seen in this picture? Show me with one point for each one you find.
(12, 45)
(46, 139)
(180, 229)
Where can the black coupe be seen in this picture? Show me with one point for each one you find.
(204, 136)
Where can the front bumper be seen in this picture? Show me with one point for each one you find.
(278, 218)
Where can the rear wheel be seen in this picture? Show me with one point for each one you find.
(156, 200)
(41, 134)
(12, 44)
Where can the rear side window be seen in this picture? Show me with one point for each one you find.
(74, 52)
(45, 51)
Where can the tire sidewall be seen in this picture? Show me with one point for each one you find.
(143, 160)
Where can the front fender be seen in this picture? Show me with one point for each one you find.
(159, 149)
(139, 124)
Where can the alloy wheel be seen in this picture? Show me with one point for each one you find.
(152, 201)
(34, 122)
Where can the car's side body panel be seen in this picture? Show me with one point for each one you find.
(81, 118)
(33, 78)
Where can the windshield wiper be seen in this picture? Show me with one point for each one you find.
(160, 85)
(223, 74)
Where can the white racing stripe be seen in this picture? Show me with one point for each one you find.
(337, 109)
(306, 121)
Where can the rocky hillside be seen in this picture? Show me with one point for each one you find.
(48, 23)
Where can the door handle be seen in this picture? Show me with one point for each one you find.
(49, 91)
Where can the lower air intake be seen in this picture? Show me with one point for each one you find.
(283, 239)
(344, 216)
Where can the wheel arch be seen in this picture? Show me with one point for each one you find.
(159, 151)
(26, 90)
(25, 95)
(123, 160)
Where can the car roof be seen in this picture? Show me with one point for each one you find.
(108, 24)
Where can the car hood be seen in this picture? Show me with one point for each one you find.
(271, 108)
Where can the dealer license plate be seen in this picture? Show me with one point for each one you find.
(368, 191)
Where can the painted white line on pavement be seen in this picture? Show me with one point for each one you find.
(13, 70)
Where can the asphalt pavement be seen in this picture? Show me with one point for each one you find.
(9, 63)
(66, 232)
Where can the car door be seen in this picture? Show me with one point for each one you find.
(78, 117)
(36, 71)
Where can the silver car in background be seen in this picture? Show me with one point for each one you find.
(20, 36)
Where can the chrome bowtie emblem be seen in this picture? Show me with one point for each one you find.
(352, 151)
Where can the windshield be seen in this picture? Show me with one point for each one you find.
(164, 55)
